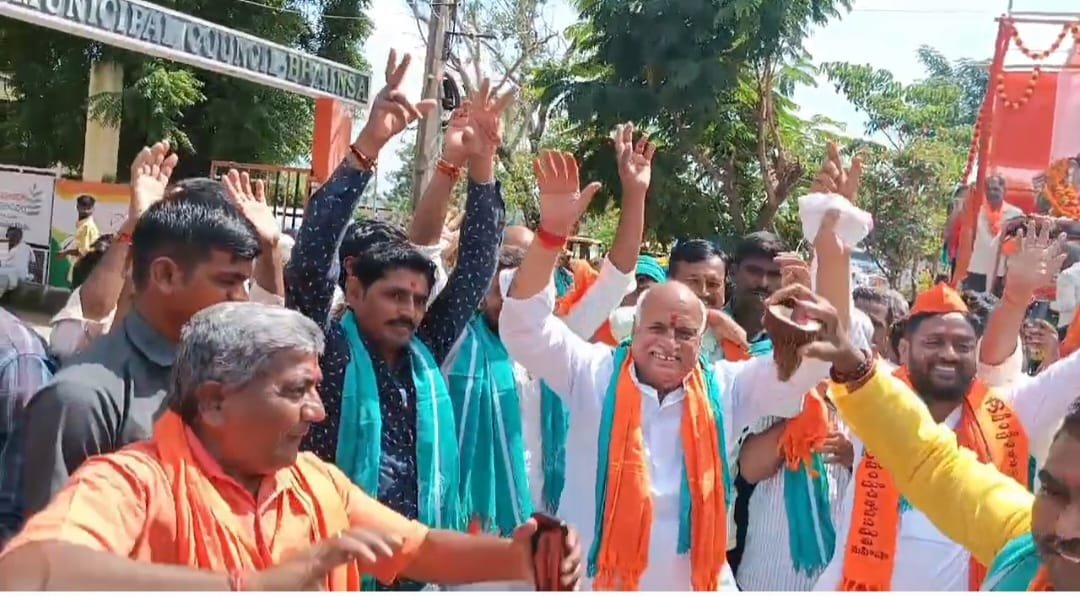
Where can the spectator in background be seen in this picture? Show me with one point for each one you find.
(995, 212)
(71, 331)
(86, 232)
(1067, 296)
(15, 263)
(25, 367)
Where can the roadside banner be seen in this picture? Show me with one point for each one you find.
(26, 202)
(110, 211)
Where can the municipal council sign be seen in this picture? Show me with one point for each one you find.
(143, 27)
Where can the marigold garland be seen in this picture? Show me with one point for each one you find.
(1063, 197)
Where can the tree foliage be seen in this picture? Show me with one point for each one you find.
(209, 116)
(712, 82)
(917, 145)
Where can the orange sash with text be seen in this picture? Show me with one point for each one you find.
(988, 426)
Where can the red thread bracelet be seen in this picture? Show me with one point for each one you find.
(366, 163)
(448, 169)
(550, 240)
(122, 238)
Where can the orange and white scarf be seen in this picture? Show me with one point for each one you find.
(619, 554)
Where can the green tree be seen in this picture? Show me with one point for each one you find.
(209, 116)
(918, 136)
(712, 82)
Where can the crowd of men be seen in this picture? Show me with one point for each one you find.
(219, 409)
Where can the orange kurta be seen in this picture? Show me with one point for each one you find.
(124, 503)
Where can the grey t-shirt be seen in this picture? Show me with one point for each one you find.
(106, 398)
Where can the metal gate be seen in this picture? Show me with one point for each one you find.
(287, 189)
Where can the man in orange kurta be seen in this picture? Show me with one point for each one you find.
(221, 499)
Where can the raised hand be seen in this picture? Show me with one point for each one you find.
(1037, 263)
(459, 136)
(150, 173)
(827, 244)
(252, 203)
(391, 111)
(307, 571)
(485, 113)
(832, 344)
(634, 160)
(561, 199)
(833, 178)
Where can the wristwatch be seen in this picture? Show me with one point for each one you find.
(858, 373)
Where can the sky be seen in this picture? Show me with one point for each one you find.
(882, 33)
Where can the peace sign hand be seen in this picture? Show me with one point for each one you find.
(635, 161)
(833, 178)
(561, 200)
(391, 111)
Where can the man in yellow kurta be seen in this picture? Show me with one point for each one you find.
(1030, 542)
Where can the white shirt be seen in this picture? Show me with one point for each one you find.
(767, 564)
(925, 558)
(18, 259)
(580, 373)
(984, 251)
(1068, 294)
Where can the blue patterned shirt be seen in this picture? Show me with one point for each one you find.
(25, 366)
(312, 275)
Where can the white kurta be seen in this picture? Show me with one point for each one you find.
(580, 373)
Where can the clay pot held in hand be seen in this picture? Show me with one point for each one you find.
(789, 329)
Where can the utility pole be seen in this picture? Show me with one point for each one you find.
(427, 133)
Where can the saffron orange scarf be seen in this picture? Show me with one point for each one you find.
(210, 536)
(620, 551)
(988, 426)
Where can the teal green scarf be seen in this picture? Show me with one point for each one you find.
(603, 441)
(811, 535)
(359, 448)
(554, 424)
(649, 267)
(1015, 566)
(494, 482)
(564, 281)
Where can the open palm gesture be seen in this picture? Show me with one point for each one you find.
(561, 199)
(634, 159)
(1038, 261)
(251, 201)
(486, 110)
(476, 127)
(150, 173)
(391, 111)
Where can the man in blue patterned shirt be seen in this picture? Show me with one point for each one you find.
(25, 366)
(381, 384)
